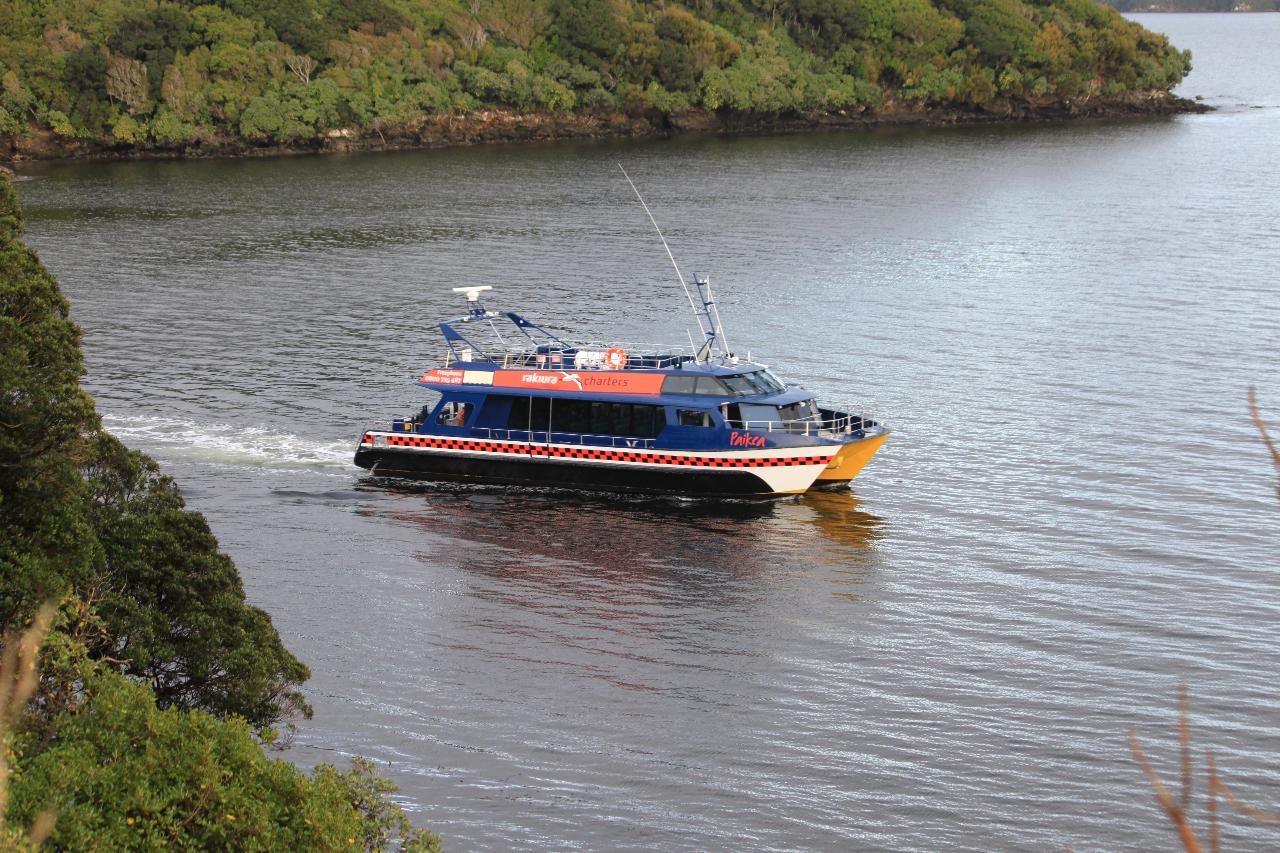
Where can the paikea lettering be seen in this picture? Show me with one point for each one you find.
(742, 439)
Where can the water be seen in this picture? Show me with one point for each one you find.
(1073, 516)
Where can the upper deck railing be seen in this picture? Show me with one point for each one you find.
(592, 355)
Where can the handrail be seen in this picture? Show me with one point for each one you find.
(589, 355)
(542, 436)
(837, 423)
(560, 361)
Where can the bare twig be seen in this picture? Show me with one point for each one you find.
(1260, 815)
(19, 675)
(1184, 742)
(1214, 841)
(1171, 808)
(1262, 431)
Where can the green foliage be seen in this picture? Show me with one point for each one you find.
(127, 130)
(154, 35)
(262, 119)
(588, 31)
(1001, 30)
(44, 412)
(173, 604)
(167, 74)
(688, 47)
(124, 775)
(156, 687)
(81, 515)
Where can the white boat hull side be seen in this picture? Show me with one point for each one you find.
(778, 470)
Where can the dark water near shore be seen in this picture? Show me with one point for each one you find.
(1073, 516)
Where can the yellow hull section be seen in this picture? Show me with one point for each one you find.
(850, 460)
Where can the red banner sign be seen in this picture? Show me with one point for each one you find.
(586, 381)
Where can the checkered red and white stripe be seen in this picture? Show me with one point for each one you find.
(770, 458)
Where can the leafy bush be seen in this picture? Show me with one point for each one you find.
(122, 774)
(168, 129)
(262, 119)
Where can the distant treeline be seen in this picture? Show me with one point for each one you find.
(170, 74)
(1195, 5)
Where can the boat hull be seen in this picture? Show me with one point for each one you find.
(849, 461)
(747, 473)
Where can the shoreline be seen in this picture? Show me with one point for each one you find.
(497, 126)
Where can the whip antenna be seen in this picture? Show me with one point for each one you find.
(696, 316)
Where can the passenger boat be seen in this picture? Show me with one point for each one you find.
(611, 416)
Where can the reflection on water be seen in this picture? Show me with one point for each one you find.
(557, 537)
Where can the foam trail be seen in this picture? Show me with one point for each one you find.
(226, 443)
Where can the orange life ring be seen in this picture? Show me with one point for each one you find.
(616, 358)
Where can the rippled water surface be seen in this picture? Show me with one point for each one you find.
(1073, 516)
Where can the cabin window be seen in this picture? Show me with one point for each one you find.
(679, 384)
(756, 416)
(586, 417)
(693, 417)
(600, 418)
(710, 385)
(757, 413)
(629, 419)
(571, 416)
(455, 414)
(518, 416)
(799, 411)
(756, 382)
(766, 382)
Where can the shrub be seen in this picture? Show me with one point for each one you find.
(262, 119)
(123, 774)
(168, 129)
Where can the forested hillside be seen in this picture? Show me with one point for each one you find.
(158, 682)
(141, 73)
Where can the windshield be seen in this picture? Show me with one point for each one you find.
(739, 385)
(795, 417)
(756, 382)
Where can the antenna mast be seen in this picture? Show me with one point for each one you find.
(697, 316)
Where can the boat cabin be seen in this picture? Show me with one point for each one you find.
(610, 396)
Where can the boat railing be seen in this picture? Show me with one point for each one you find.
(828, 422)
(591, 355)
(541, 436)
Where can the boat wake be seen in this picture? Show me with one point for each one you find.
(227, 444)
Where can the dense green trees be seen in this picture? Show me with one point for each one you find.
(166, 74)
(159, 682)
(81, 515)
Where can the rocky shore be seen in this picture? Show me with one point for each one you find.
(501, 126)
